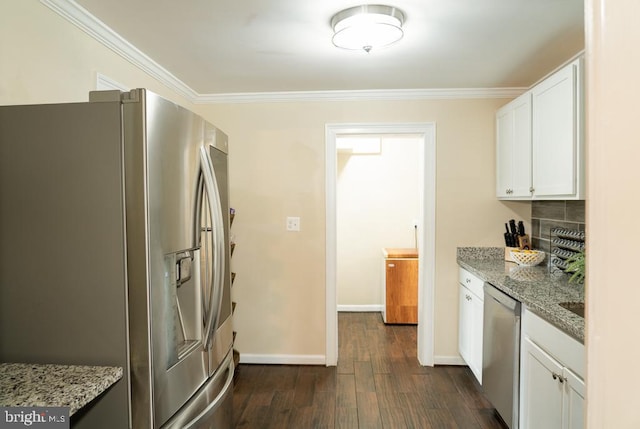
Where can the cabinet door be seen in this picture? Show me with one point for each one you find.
(555, 135)
(476, 326)
(464, 324)
(401, 295)
(573, 405)
(513, 149)
(471, 310)
(504, 150)
(541, 392)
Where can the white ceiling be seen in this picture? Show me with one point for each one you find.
(255, 46)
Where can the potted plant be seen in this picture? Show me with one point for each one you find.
(577, 267)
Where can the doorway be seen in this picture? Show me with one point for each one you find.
(425, 228)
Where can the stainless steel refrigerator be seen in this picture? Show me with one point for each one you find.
(114, 250)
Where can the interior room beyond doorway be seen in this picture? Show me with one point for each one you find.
(378, 206)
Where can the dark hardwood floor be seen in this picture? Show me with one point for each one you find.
(378, 383)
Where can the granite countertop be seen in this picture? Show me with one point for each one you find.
(536, 287)
(47, 385)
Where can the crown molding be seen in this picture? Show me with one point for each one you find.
(362, 95)
(81, 18)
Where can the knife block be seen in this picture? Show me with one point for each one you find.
(523, 242)
(507, 253)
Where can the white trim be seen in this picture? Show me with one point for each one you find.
(448, 360)
(374, 308)
(105, 83)
(331, 243)
(362, 95)
(426, 240)
(81, 18)
(282, 359)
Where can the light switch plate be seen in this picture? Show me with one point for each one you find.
(293, 223)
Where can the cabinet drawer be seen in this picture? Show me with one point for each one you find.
(552, 340)
(471, 282)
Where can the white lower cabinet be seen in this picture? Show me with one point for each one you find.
(471, 310)
(551, 391)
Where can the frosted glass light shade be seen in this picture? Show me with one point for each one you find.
(367, 27)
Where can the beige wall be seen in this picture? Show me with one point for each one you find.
(613, 152)
(378, 196)
(278, 169)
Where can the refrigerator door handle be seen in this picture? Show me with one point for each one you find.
(217, 278)
(227, 385)
(197, 218)
(200, 403)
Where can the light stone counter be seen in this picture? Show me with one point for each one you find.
(46, 385)
(535, 287)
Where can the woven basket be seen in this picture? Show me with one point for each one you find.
(526, 274)
(527, 258)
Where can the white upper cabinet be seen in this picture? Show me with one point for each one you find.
(513, 128)
(557, 135)
(539, 140)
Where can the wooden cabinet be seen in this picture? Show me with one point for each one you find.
(470, 321)
(540, 141)
(400, 286)
(552, 389)
(513, 149)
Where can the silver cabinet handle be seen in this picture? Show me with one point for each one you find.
(531, 189)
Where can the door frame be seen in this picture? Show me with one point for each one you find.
(426, 235)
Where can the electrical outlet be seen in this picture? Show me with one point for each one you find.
(293, 223)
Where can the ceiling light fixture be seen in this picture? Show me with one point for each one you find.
(367, 27)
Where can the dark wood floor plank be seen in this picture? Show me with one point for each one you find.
(304, 390)
(346, 418)
(368, 410)
(465, 418)
(488, 419)
(364, 376)
(381, 365)
(279, 411)
(346, 391)
(345, 366)
(393, 418)
(323, 412)
(387, 395)
(441, 419)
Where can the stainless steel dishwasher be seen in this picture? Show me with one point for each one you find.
(501, 353)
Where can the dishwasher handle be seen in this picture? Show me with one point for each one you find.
(502, 298)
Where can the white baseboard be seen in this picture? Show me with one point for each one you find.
(283, 359)
(448, 360)
(361, 308)
(321, 359)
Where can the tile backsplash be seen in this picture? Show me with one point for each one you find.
(548, 214)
